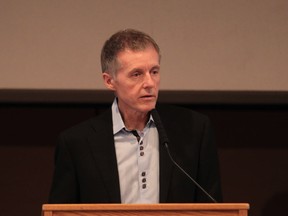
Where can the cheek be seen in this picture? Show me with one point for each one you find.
(157, 83)
(127, 91)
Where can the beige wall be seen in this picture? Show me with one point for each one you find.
(206, 44)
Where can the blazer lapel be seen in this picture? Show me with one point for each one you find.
(166, 166)
(165, 173)
(102, 143)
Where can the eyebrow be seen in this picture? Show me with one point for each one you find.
(140, 69)
(156, 67)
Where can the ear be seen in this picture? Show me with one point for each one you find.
(108, 81)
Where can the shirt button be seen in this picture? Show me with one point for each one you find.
(143, 180)
(141, 153)
(141, 148)
(143, 174)
(141, 143)
(144, 186)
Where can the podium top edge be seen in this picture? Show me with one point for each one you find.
(166, 206)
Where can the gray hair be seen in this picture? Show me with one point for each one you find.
(121, 40)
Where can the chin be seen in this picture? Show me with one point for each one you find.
(147, 108)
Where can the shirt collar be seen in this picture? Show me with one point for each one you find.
(118, 123)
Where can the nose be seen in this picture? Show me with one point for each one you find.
(148, 82)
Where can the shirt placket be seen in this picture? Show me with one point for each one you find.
(142, 163)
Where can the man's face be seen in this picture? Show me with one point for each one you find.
(137, 80)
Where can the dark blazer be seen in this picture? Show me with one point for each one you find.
(86, 164)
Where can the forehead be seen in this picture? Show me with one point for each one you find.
(128, 57)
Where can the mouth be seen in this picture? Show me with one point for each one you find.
(147, 97)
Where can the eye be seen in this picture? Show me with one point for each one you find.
(154, 72)
(136, 74)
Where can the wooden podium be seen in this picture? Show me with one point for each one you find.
(223, 209)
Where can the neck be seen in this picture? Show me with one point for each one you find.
(135, 121)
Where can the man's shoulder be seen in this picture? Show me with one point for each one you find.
(96, 123)
(179, 112)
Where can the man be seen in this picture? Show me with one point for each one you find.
(117, 157)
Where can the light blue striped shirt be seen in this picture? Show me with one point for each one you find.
(138, 161)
